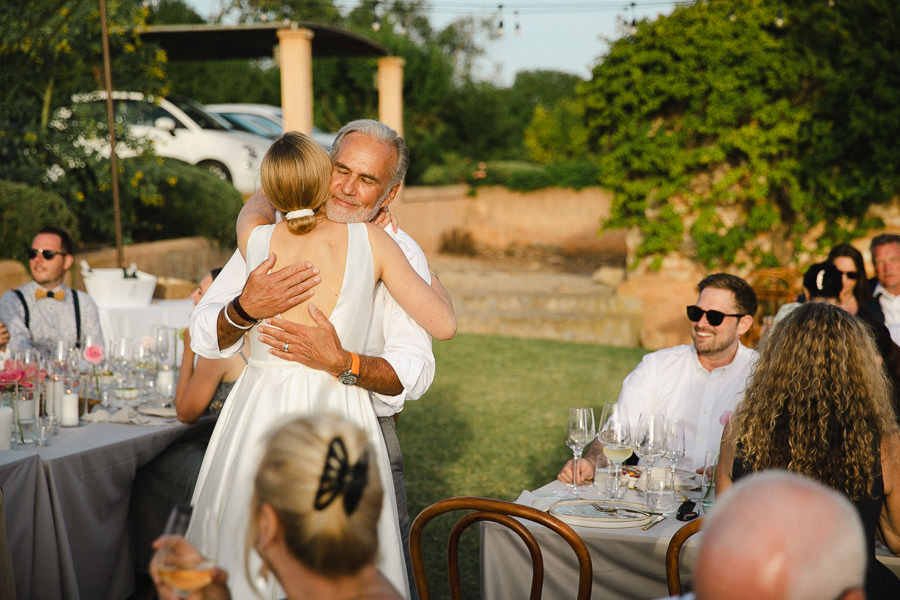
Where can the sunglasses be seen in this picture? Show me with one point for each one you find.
(850, 274)
(686, 511)
(47, 254)
(713, 317)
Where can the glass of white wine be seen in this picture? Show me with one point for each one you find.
(616, 439)
(186, 572)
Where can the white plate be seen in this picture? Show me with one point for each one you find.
(582, 513)
(154, 409)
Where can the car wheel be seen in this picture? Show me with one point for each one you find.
(217, 169)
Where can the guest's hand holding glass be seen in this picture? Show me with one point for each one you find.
(616, 439)
(179, 567)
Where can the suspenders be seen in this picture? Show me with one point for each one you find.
(77, 314)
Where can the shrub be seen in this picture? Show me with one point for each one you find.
(25, 210)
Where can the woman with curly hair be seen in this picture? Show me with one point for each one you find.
(817, 405)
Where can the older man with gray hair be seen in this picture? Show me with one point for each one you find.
(781, 536)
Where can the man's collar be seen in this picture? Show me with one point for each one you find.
(881, 290)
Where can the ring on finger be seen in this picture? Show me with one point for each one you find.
(285, 347)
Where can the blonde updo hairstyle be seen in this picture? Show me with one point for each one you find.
(332, 540)
(296, 173)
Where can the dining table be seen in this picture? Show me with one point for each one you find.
(136, 322)
(67, 507)
(628, 562)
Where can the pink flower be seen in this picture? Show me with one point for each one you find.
(723, 420)
(147, 342)
(94, 354)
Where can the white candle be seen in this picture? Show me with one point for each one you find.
(165, 383)
(59, 390)
(6, 419)
(69, 410)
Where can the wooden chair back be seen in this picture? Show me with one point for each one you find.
(673, 552)
(503, 513)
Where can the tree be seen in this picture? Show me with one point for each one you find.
(727, 135)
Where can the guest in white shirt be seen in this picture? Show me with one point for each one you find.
(398, 364)
(699, 383)
(885, 250)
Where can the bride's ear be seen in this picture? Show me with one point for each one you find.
(267, 526)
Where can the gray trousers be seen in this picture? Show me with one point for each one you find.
(395, 455)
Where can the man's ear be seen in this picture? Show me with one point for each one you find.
(391, 196)
(68, 260)
(744, 324)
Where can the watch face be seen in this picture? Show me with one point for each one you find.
(347, 378)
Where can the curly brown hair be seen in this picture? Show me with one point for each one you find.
(817, 403)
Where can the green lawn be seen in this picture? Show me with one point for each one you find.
(493, 424)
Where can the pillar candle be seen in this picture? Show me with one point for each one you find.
(165, 383)
(59, 390)
(69, 410)
(6, 419)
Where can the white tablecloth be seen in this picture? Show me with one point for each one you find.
(135, 322)
(67, 509)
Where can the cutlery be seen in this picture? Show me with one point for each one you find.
(653, 522)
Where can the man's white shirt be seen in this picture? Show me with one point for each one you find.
(393, 335)
(890, 306)
(673, 383)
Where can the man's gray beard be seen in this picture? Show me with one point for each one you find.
(359, 215)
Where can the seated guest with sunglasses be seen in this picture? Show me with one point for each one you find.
(701, 382)
(45, 310)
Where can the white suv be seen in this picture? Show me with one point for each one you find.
(180, 128)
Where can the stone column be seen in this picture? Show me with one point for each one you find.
(390, 92)
(295, 63)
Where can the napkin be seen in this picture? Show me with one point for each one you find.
(125, 415)
(540, 502)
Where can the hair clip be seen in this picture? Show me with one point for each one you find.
(339, 477)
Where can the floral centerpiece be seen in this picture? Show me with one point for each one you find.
(11, 377)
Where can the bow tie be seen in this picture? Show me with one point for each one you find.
(42, 293)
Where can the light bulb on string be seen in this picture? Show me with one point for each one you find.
(779, 20)
(731, 16)
(500, 23)
(517, 30)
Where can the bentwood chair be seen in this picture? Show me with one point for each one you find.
(503, 513)
(673, 551)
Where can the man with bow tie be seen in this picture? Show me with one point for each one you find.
(45, 310)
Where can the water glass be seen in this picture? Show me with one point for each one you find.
(708, 489)
(43, 431)
(660, 491)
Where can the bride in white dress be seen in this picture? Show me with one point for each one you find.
(351, 258)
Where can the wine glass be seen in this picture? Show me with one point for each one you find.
(186, 572)
(650, 440)
(161, 343)
(616, 439)
(674, 443)
(580, 432)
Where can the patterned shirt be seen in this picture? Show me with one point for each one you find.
(49, 319)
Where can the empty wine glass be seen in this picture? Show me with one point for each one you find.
(674, 443)
(580, 432)
(161, 343)
(615, 436)
(187, 572)
(650, 439)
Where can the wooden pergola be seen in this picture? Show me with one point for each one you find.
(293, 46)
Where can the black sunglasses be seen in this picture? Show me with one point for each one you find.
(686, 511)
(850, 274)
(47, 254)
(713, 317)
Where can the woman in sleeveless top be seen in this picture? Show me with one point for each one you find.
(819, 404)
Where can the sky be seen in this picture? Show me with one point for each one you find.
(561, 35)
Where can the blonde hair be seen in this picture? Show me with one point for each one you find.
(296, 173)
(818, 402)
(340, 537)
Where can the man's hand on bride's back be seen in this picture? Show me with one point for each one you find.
(268, 294)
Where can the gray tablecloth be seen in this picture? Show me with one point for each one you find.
(67, 509)
(628, 563)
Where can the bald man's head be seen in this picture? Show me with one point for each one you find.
(779, 536)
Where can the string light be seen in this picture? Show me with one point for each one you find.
(779, 20)
(731, 16)
(500, 25)
(376, 23)
(517, 31)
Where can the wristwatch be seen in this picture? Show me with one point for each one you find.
(351, 375)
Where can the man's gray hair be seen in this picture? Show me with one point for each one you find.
(883, 240)
(385, 135)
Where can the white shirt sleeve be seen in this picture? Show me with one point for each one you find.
(203, 326)
(398, 339)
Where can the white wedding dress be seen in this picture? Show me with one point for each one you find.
(268, 393)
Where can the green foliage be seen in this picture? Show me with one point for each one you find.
(25, 210)
(160, 199)
(738, 127)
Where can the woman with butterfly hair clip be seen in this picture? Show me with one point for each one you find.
(314, 514)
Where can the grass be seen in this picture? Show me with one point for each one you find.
(493, 424)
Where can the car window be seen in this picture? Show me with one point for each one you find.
(200, 116)
(135, 112)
